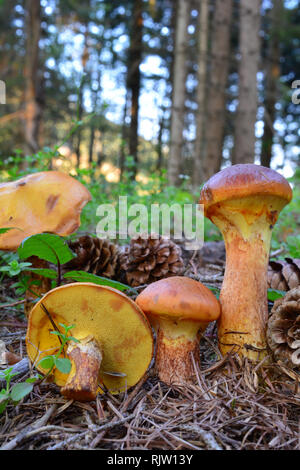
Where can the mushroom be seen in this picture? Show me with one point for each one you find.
(116, 342)
(244, 201)
(48, 201)
(178, 308)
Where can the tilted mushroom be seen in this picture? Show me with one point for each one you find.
(48, 201)
(178, 308)
(244, 201)
(116, 342)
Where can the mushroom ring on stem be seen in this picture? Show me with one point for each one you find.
(115, 339)
(178, 308)
(244, 201)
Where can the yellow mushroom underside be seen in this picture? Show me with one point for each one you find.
(118, 325)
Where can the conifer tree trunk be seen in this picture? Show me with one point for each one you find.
(216, 100)
(198, 176)
(244, 136)
(33, 79)
(134, 76)
(178, 94)
(272, 75)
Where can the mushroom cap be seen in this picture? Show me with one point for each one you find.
(117, 324)
(180, 298)
(48, 201)
(244, 180)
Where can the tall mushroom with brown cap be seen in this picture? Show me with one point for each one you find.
(179, 308)
(48, 201)
(244, 201)
(116, 342)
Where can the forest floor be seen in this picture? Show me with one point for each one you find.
(231, 405)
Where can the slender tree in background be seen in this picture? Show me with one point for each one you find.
(272, 74)
(33, 77)
(178, 94)
(216, 100)
(203, 29)
(244, 130)
(134, 76)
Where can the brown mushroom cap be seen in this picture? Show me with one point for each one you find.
(48, 201)
(244, 180)
(181, 298)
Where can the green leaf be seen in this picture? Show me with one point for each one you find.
(47, 362)
(49, 273)
(32, 380)
(63, 365)
(4, 230)
(75, 340)
(4, 395)
(3, 405)
(20, 390)
(274, 294)
(215, 291)
(82, 276)
(46, 246)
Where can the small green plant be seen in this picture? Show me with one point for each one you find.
(54, 249)
(19, 390)
(54, 360)
(13, 268)
(15, 393)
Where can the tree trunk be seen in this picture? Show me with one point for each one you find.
(272, 75)
(95, 94)
(33, 79)
(134, 76)
(216, 100)
(203, 25)
(159, 146)
(79, 118)
(178, 94)
(123, 138)
(244, 136)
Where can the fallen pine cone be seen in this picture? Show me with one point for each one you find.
(94, 255)
(284, 274)
(148, 260)
(283, 331)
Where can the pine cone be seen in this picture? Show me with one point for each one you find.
(148, 260)
(284, 274)
(283, 331)
(94, 255)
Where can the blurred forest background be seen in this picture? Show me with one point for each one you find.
(168, 87)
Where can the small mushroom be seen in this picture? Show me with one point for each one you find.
(48, 201)
(116, 342)
(244, 201)
(178, 308)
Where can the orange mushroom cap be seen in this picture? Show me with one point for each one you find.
(243, 180)
(48, 201)
(181, 298)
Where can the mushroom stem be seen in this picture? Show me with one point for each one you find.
(242, 325)
(86, 358)
(177, 341)
(247, 233)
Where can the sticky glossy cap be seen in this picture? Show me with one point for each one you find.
(238, 181)
(179, 297)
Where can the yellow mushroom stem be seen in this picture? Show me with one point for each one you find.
(177, 342)
(86, 358)
(246, 225)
